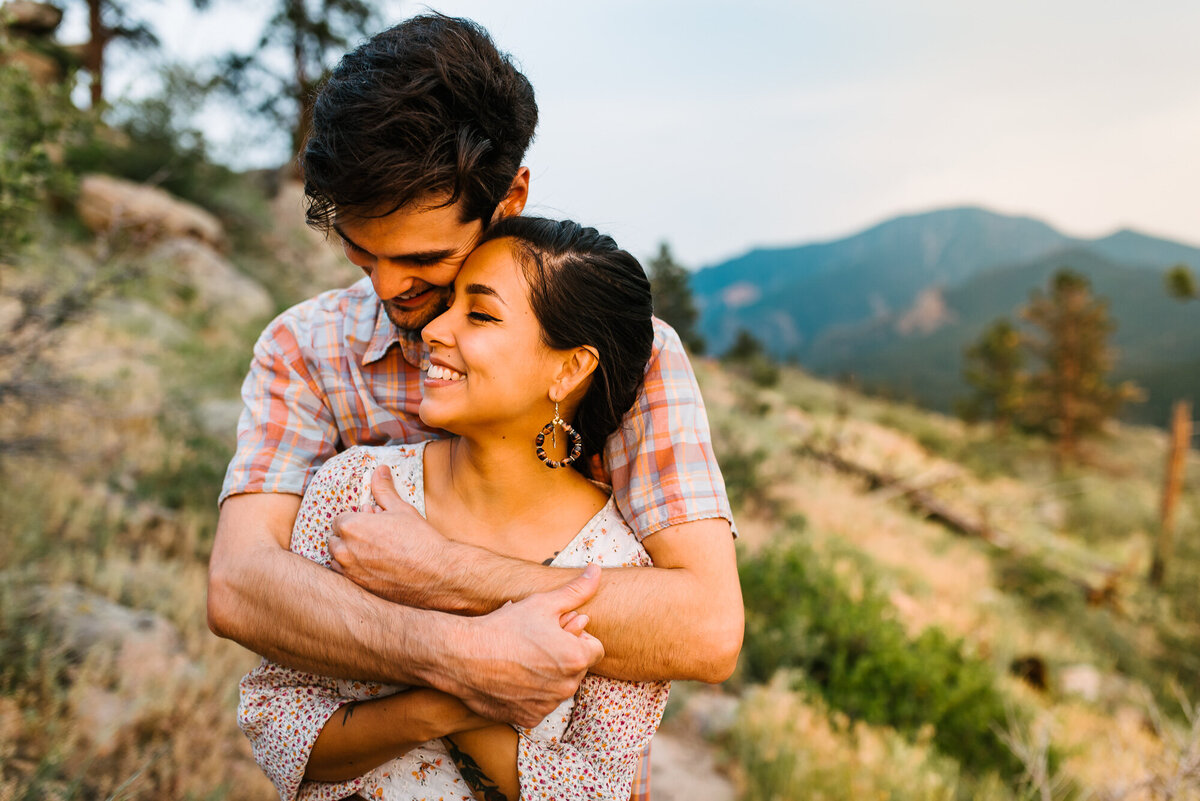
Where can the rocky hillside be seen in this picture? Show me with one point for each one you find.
(128, 324)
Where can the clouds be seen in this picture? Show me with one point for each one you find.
(721, 126)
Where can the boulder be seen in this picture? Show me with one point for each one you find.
(144, 320)
(108, 204)
(83, 623)
(140, 650)
(43, 70)
(213, 283)
(35, 19)
(315, 262)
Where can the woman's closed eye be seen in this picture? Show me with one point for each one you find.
(482, 317)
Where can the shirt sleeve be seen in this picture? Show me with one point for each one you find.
(661, 460)
(610, 727)
(281, 710)
(286, 429)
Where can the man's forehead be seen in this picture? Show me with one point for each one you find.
(409, 229)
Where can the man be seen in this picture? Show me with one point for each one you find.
(416, 145)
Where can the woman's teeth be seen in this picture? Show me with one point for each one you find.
(440, 373)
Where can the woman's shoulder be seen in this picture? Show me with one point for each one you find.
(348, 474)
(606, 540)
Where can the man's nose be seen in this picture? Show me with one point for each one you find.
(391, 280)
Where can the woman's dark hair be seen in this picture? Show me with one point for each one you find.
(585, 290)
(428, 109)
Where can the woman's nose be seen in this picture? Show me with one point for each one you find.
(437, 331)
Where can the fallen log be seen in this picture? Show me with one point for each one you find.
(1104, 593)
(917, 496)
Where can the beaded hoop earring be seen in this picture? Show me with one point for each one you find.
(550, 430)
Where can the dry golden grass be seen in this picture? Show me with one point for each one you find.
(791, 746)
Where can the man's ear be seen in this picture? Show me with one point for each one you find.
(516, 198)
(578, 365)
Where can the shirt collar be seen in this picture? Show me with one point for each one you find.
(386, 335)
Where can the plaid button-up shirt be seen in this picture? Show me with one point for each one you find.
(334, 372)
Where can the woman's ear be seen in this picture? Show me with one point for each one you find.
(516, 198)
(578, 364)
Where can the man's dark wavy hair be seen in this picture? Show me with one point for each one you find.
(428, 110)
(584, 290)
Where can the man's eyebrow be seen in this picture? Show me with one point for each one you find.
(484, 289)
(417, 256)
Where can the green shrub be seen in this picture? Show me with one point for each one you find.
(34, 122)
(740, 468)
(789, 744)
(800, 614)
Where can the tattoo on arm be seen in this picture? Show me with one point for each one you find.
(348, 713)
(484, 788)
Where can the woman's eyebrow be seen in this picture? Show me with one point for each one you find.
(484, 289)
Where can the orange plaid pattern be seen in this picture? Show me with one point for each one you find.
(641, 779)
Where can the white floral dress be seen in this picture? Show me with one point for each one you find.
(588, 748)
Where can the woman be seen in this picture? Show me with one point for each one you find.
(549, 322)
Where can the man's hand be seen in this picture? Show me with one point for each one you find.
(525, 658)
(393, 553)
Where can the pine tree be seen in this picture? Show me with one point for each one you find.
(1181, 283)
(746, 347)
(308, 36)
(993, 367)
(1070, 396)
(670, 283)
(110, 21)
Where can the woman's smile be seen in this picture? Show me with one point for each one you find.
(442, 375)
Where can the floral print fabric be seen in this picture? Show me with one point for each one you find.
(588, 748)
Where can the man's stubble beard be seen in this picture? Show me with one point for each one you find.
(413, 320)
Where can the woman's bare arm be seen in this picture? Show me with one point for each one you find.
(487, 760)
(365, 734)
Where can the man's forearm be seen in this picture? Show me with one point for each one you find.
(652, 621)
(674, 621)
(515, 665)
(315, 620)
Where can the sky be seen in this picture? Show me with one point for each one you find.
(719, 126)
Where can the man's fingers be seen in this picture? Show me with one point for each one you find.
(575, 593)
(384, 490)
(595, 648)
(576, 624)
(336, 547)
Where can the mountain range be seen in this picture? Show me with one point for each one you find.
(895, 305)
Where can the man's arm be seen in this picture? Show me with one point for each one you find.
(516, 664)
(681, 619)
